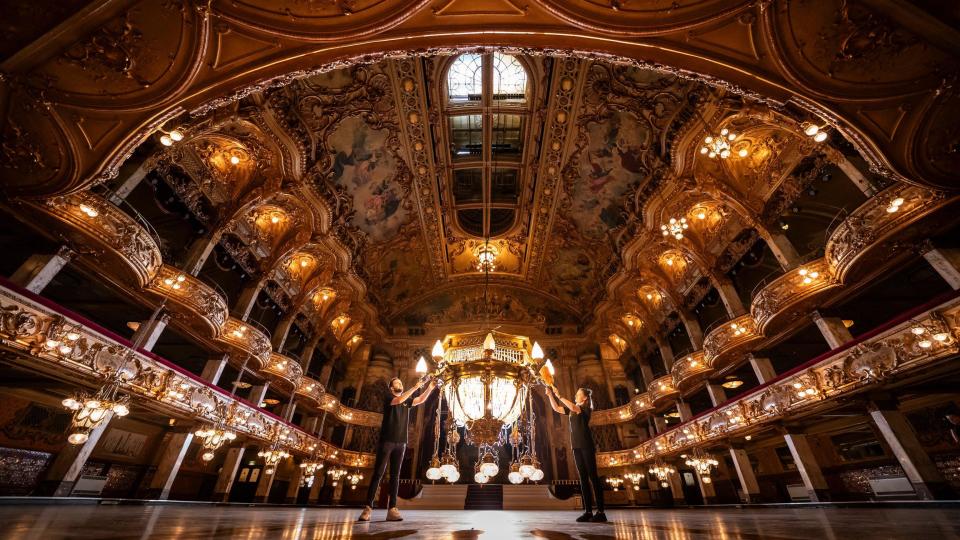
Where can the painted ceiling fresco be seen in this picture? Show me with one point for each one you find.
(369, 155)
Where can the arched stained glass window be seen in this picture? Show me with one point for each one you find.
(465, 78)
(509, 78)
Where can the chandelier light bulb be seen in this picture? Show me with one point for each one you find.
(820, 137)
(437, 349)
(537, 475)
(421, 365)
(488, 466)
(77, 438)
(489, 344)
(453, 476)
(536, 353)
(811, 129)
(234, 160)
(207, 456)
(176, 135)
(166, 140)
(550, 368)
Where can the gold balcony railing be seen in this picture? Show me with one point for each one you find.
(661, 389)
(284, 369)
(690, 370)
(639, 404)
(207, 308)
(795, 292)
(913, 345)
(121, 242)
(725, 341)
(247, 340)
(45, 341)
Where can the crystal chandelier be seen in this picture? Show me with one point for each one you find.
(91, 411)
(703, 463)
(719, 145)
(662, 471)
(615, 482)
(213, 437)
(272, 457)
(336, 474)
(486, 387)
(310, 469)
(355, 479)
(634, 478)
(486, 257)
(674, 228)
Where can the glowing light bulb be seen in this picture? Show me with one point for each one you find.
(536, 353)
(421, 365)
(437, 350)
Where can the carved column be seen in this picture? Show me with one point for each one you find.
(832, 328)
(762, 368)
(257, 393)
(66, 467)
(694, 332)
(944, 261)
(39, 270)
(676, 488)
(281, 332)
(851, 171)
(666, 351)
(294, 488)
(169, 464)
(247, 299)
(306, 358)
(221, 492)
(914, 460)
(199, 251)
(707, 490)
(729, 297)
(783, 250)
(717, 393)
(264, 484)
(684, 409)
(132, 181)
(808, 467)
(149, 331)
(746, 475)
(213, 369)
(646, 372)
(318, 481)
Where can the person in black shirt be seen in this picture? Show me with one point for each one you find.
(584, 451)
(393, 443)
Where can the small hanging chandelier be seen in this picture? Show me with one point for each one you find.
(310, 469)
(615, 482)
(719, 145)
(674, 228)
(336, 474)
(486, 258)
(662, 471)
(634, 478)
(355, 479)
(272, 457)
(213, 437)
(703, 463)
(91, 411)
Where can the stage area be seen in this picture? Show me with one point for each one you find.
(204, 521)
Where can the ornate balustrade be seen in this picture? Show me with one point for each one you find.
(690, 369)
(724, 342)
(311, 389)
(791, 295)
(883, 226)
(121, 243)
(927, 338)
(247, 340)
(639, 404)
(194, 297)
(661, 389)
(284, 370)
(66, 348)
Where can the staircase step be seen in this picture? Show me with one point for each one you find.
(484, 497)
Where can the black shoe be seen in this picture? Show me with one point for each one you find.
(599, 517)
(587, 516)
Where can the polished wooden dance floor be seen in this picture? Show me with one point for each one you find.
(283, 523)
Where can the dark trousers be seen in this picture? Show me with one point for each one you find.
(586, 460)
(393, 453)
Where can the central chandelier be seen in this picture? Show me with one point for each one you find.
(92, 410)
(336, 474)
(486, 385)
(486, 258)
(634, 478)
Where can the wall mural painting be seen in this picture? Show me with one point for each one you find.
(396, 275)
(501, 304)
(610, 167)
(367, 169)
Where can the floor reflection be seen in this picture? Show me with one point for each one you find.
(273, 523)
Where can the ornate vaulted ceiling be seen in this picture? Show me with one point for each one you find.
(327, 148)
(371, 141)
